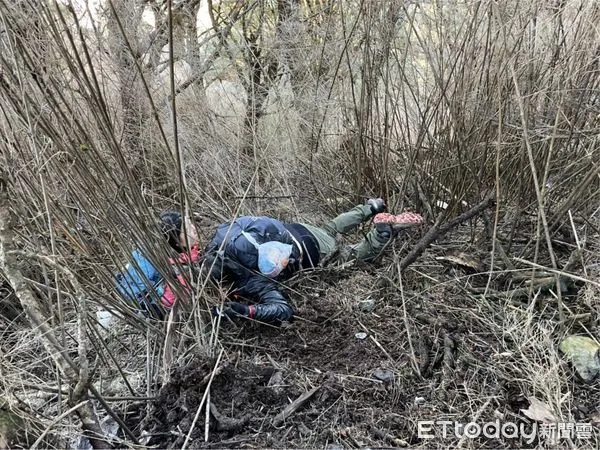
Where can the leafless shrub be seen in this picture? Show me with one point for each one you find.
(294, 109)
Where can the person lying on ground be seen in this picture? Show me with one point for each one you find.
(140, 284)
(255, 254)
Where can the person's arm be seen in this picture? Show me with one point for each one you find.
(272, 306)
(180, 269)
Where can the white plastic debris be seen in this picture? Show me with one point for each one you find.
(367, 305)
(80, 442)
(361, 335)
(384, 375)
(419, 401)
(110, 427)
(105, 318)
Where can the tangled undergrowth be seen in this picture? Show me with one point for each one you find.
(293, 109)
(432, 348)
(371, 353)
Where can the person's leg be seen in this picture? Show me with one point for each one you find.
(347, 221)
(386, 228)
(371, 246)
(325, 241)
(326, 235)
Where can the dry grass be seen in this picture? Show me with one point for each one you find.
(423, 103)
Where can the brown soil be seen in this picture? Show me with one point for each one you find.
(463, 366)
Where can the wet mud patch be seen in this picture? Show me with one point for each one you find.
(375, 361)
(243, 395)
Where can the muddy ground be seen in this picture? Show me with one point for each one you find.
(371, 351)
(432, 349)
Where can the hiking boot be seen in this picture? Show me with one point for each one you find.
(384, 221)
(377, 205)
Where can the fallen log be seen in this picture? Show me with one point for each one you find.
(439, 230)
(294, 406)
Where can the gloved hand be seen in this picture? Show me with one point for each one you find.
(233, 310)
(377, 205)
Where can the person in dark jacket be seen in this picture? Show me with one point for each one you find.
(256, 253)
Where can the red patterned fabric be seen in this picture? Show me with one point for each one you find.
(168, 298)
(406, 218)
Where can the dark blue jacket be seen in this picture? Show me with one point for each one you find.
(234, 259)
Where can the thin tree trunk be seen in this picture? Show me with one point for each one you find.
(129, 13)
(77, 378)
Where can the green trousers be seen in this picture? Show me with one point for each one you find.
(367, 249)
